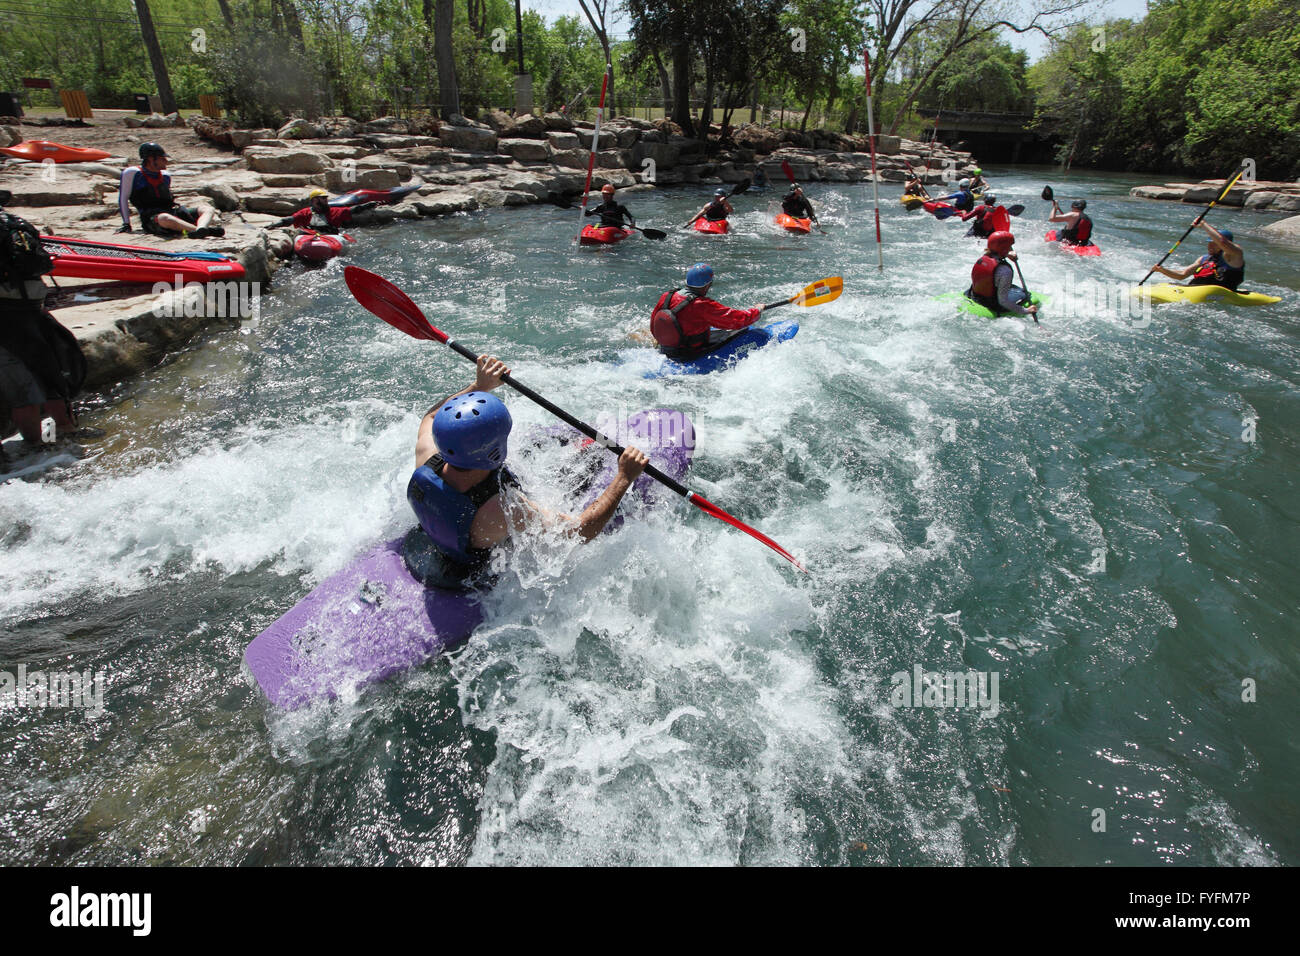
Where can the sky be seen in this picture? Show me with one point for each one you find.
(1035, 44)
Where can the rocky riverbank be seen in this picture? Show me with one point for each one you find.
(254, 177)
(1258, 195)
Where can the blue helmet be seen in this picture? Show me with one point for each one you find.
(1226, 234)
(471, 431)
(699, 275)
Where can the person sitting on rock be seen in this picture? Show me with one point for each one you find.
(612, 214)
(320, 216)
(1224, 265)
(148, 188)
(41, 364)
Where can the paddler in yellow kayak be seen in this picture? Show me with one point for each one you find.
(460, 473)
(1224, 265)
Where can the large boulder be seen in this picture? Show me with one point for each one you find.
(557, 121)
(501, 122)
(888, 145)
(421, 155)
(223, 196)
(283, 203)
(292, 182)
(627, 135)
(300, 129)
(561, 140)
(525, 150)
(242, 138)
(529, 126)
(387, 141)
(264, 159)
(570, 158)
(1202, 193)
(10, 135)
(344, 180)
(387, 124)
(470, 138)
(665, 155)
(1288, 228)
(608, 139)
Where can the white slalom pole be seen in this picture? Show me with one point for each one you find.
(875, 184)
(595, 144)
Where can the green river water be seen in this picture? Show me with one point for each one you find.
(1103, 513)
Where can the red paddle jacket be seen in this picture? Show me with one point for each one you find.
(697, 318)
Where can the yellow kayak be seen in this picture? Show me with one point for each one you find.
(912, 202)
(1168, 292)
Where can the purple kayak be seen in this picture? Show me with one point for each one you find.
(374, 619)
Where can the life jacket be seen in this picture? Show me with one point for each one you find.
(715, 211)
(22, 257)
(964, 200)
(1080, 232)
(1215, 270)
(151, 191)
(797, 206)
(667, 328)
(985, 223)
(981, 277)
(446, 514)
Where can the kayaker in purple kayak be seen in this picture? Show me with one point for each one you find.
(456, 490)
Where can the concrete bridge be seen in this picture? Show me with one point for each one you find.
(994, 137)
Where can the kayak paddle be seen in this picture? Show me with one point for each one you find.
(818, 293)
(658, 234)
(1047, 193)
(391, 304)
(1195, 222)
(789, 174)
(1022, 285)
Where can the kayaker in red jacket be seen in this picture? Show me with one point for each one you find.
(991, 277)
(984, 225)
(320, 216)
(683, 323)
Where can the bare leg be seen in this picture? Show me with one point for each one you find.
(166, 220)
(206, 213)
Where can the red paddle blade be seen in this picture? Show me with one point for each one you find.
(785, 168)
(390, 303)
(709, 508)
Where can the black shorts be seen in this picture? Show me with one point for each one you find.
(147, 216)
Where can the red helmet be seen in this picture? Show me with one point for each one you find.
(1001, 242)
(607, 189)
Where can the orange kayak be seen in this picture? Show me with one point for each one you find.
(717, 226)
(791, 224)
(38, 150)
(603, 235)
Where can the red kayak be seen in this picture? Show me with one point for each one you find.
(716, 227)
(82, 259)
(38, 151)
(316, 247)
(1088, 250)
(385, 197)
(791, 224)
(603, 235)
(934, 207)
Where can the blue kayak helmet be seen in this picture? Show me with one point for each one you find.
(1226, 234)
(699, 276)
(720, 193)
(471, 431)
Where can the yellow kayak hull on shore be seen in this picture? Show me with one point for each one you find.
(1168, 292)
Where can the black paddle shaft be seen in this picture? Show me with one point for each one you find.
(580, 425)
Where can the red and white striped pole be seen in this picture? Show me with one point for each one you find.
(595, 144)
(875, 185)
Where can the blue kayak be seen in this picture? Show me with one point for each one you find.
(729, 353)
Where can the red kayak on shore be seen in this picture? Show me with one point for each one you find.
(603, 235)
(717, 227)
(317, 247)
(1085, 250)
(39, 150)
(83, 259)
(385, 197)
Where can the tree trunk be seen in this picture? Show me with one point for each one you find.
(803, 125)
(448, 89)
(292, 23)
(665, 84)
(753, 104)
(155, 57)
(681, 114)
(706, 111)
(226, 14)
